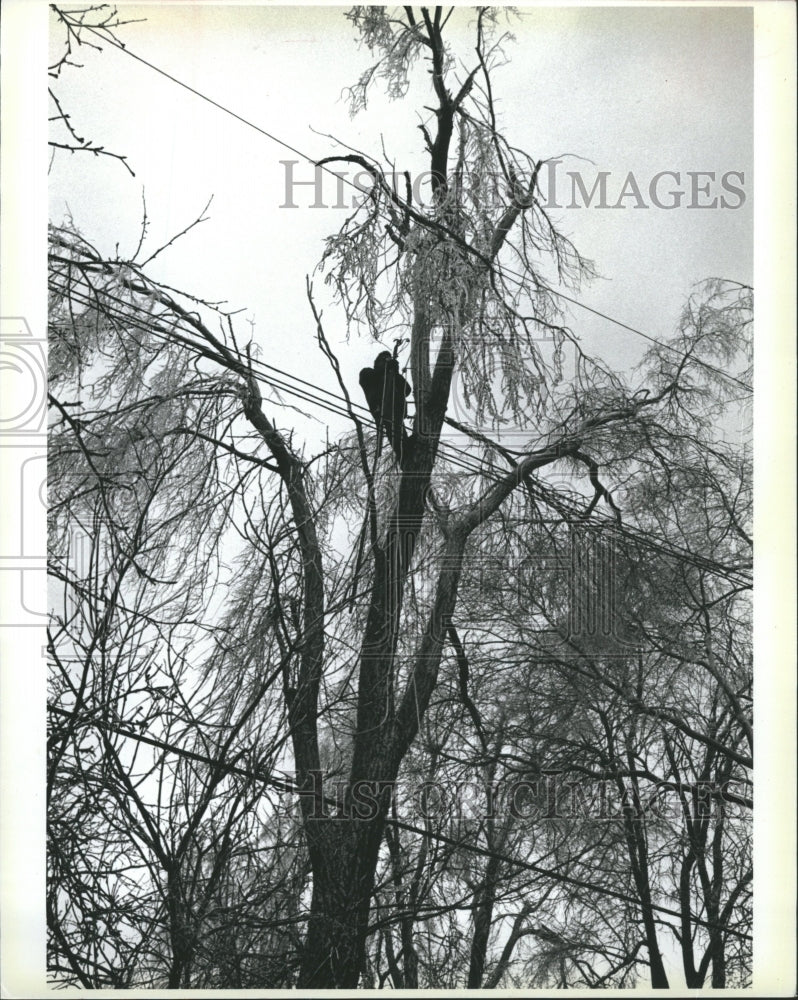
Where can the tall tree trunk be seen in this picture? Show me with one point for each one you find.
(483, 916)
(344, 858)
(713, 903)
(659, 979)
(638, 854)
(637, 846)
(694, 978)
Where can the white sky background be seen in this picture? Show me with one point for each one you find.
(630, 89)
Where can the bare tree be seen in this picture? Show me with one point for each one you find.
(89, 27)
(219, 622)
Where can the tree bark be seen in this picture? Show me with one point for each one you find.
(344, 858)
(483, 915)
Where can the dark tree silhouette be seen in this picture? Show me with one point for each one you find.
(167, 440)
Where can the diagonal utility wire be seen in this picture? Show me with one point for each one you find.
(287, 786)
(459, 457)
(506, 271)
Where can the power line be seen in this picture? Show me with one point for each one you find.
(461, 458)
(464, 460)
(653, 340)
(506, 271)
(283, 785)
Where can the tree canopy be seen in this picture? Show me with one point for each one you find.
(319, 718)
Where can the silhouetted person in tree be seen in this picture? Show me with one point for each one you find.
(386, 391)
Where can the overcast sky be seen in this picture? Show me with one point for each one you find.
(640, 90)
